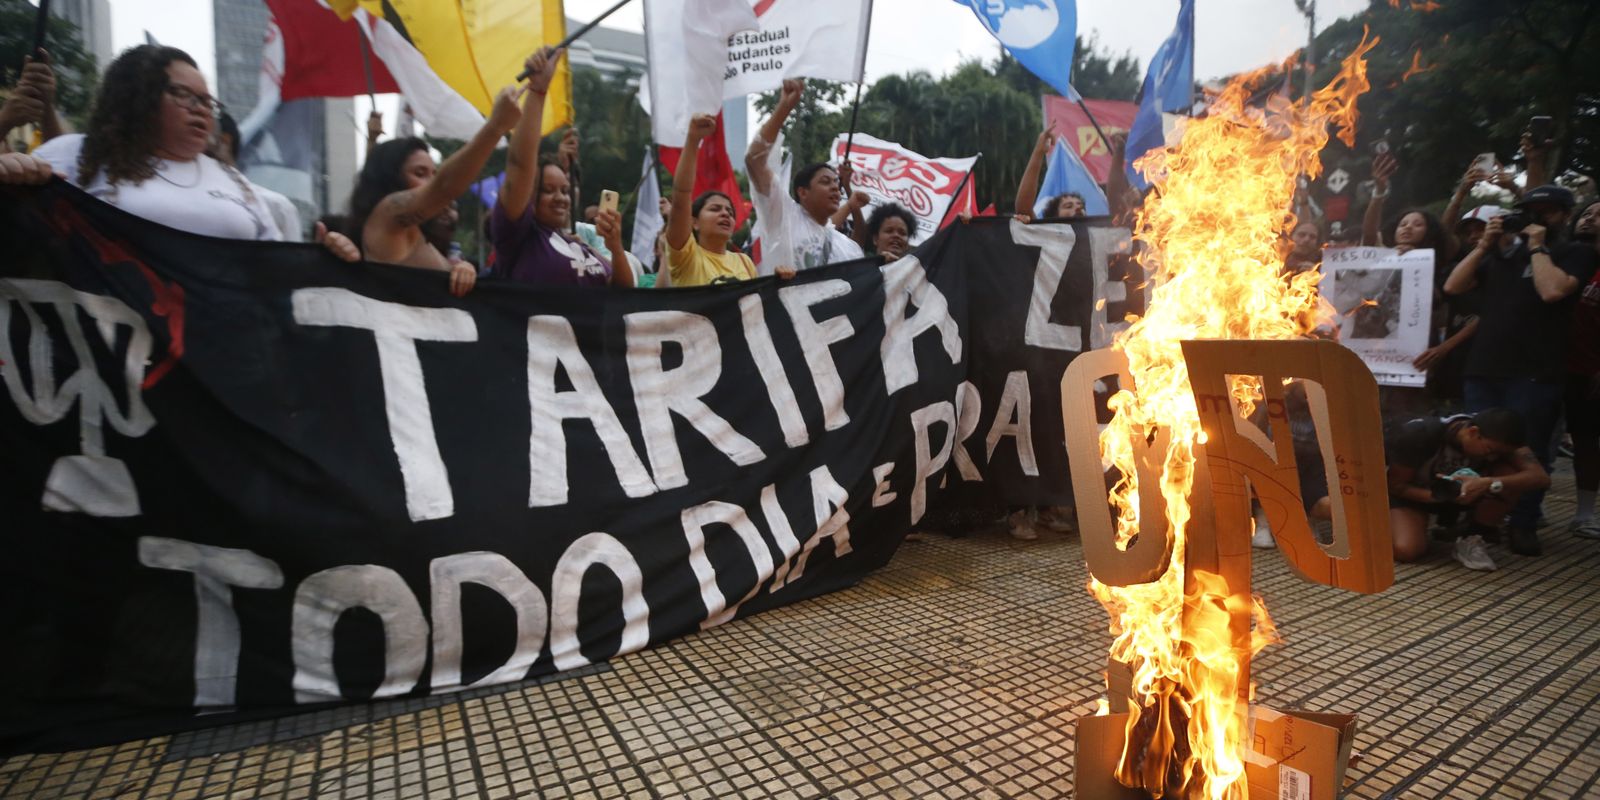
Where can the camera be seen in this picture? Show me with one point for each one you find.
(1514, 222)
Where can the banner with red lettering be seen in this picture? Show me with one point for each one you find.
(1114, 116)
(889, 173)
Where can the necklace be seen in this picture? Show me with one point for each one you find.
(197, 173)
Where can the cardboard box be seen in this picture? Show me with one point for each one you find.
(1294, 755)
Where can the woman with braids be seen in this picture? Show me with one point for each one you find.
(529, 217)
(145, 152)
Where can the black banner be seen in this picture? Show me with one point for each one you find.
(246, 477)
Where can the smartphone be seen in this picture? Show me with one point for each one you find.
(1541, 129)
(1485, 163)
(608, 200)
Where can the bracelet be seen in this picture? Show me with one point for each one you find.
(1377, 195)
(1540, 250)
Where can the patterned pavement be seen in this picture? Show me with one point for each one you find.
(955, 672)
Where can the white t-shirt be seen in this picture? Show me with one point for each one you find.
(284, 214)
(790, 237)
(197, 196)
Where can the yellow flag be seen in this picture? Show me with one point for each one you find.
(478, 46)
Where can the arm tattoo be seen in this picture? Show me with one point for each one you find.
(399, 205)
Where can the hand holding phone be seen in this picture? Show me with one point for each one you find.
(608, 200)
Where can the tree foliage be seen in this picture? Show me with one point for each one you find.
(1486, 67)
(75, 69)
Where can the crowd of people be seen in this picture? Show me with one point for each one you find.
(1513, 366)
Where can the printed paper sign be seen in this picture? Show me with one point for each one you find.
(1384, 301)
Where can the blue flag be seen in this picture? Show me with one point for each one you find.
(1040, 34)
(1168, 86)
(1066, 173)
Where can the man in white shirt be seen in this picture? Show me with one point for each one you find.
(796, 220)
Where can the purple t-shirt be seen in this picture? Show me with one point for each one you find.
(527, 252)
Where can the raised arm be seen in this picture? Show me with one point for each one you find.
(680, 225)
(1464, 277)
(1028, 187)
(755, 159)
(1383, 168)
(1452, 212)
(1551, 281)
(522, 157)
(412, 207)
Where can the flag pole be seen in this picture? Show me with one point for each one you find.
(41, 23)
(855, 108)
(366, 66)
(1096, 124)
(959, 187)
(577, 34)
(861, 79)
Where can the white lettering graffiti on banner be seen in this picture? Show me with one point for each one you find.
(90, 482)
(321, 599)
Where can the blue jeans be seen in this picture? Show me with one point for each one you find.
(1539, 404)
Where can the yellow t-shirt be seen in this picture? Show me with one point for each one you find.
(693, 265)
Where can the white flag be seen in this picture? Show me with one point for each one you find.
(763, 43)
(647, 213)
(442, 110)
(824, 39)
(687, 42)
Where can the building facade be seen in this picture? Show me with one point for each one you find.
(93, 18)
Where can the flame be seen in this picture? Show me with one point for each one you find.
(1416, 67)
(1212, 236)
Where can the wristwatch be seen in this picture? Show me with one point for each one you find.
(1495, 487)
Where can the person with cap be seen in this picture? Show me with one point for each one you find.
(1455, 321)
(1530, 273)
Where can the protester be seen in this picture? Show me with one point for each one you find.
(798, 230)
(704, 257)
(1305, 248)
(145, 152)
(533, 211)
(33, 100)
(1518, 356)
(888, 231)
(848, 218)
(226, 150)
(1583, 383)
(398, 193)
(1063, 206)
(1478, 463)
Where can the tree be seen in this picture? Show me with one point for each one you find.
(1095, 74)
(1465, 78)
(823, 113)
(75, 70)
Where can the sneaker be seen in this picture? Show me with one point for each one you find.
(1262, 538)
(1473, 554)
(1021, 527)
(1590, 529)
(1524, 541)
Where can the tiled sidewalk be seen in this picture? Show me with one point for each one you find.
(955, 672)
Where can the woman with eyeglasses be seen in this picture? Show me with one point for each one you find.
(145, 152)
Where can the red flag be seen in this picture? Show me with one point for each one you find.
(1114, 116)
(964, 203)
(713, 171)
(322, 53)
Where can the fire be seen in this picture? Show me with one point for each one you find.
(1212, 235)
(1416, 67)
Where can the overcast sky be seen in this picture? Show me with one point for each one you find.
(934, 35)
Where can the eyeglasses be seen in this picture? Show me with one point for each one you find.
(196, 102)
